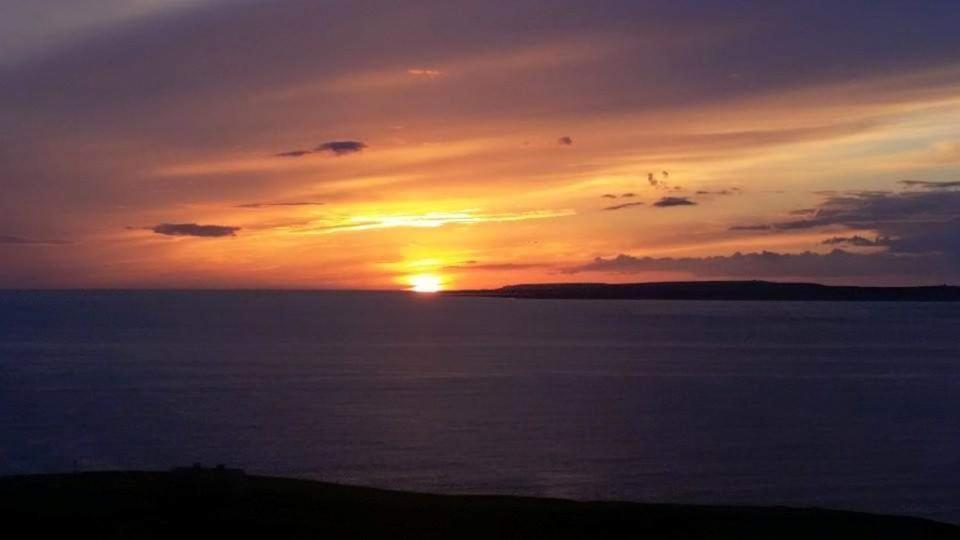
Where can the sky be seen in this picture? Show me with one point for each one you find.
(374, 144)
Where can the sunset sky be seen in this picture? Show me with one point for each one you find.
(460, 144)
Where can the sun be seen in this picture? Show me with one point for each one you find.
(426, 283)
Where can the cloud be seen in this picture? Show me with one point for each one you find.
(427, 220)
(762, 227)
(263, 205)
(856, 240)
(428, 73)
(294, 153)
(930, 185)
(23, 36)
(624, 205)
(493, 267)
(767, 264)
(660, 183)
(192, 229)
(20, 241)
(920, 231)
(341, 148)
(911, 221)
(674, 201)
(608, 196)
(718, 192)
(337, 148)
(628, 195)
(565, 141)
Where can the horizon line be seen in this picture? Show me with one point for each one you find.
(408, 290)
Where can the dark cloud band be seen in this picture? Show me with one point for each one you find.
(767, 264)
(6, 239)
(341, 148)
(667, 202)
(624, 205)
(192, 229)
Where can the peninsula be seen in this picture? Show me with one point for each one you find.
(719, 290)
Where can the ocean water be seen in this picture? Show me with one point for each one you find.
(840, 405)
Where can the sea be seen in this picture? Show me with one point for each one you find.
(846, 405)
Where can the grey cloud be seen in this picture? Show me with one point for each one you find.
(263, 205)
(847, 46)
(341, 148)
(919, 229)
(751, 227)
(337, 148)
(31, 28)
(856, 240)
(624, 205)
(661, 182)
(766, 264)
(493, 267)
(913, 221)
(565, 141)
(930, 185)
(924, 237)
(192, 229)
(796, 225)
(666, 202)
(294, 153)
(6, 239)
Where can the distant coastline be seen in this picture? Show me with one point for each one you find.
(719, 290)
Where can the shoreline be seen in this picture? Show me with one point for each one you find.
(143, 504)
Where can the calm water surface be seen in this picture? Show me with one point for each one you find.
(844, 405)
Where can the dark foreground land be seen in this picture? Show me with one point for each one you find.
(720, 290)
(230, 505)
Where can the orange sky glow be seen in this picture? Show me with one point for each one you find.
(424, 151)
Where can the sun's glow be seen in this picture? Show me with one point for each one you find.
(426, 283)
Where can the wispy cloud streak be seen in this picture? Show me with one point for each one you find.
(426, 220)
